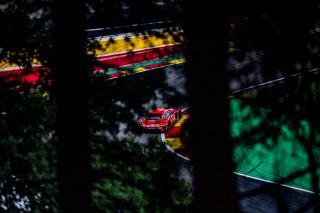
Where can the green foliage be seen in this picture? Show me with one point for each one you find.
(131, 177)
(27, 158)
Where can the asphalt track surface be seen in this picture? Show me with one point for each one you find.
(268, 194)
(257, 196)
(252, 194)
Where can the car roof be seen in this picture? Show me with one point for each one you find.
(159, 110)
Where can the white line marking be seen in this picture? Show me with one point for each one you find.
(17, 68)
(129, 34)
(267, 181)
(133, 25)
(276, 80)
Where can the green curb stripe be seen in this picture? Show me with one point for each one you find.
(143, 64)
(272, 147)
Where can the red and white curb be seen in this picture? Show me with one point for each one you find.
(176, 137)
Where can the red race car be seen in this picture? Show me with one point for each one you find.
(161, 119)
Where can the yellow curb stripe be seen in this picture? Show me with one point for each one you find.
(174, 143)
(121, 44)
(177, 61)
(180, 122)
(135, 43)
(139, 69)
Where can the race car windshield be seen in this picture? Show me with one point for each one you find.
(154, 116)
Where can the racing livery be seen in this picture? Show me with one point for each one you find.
(161, 119)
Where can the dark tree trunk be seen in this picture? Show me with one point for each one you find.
(70, 87)
(206, 32)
